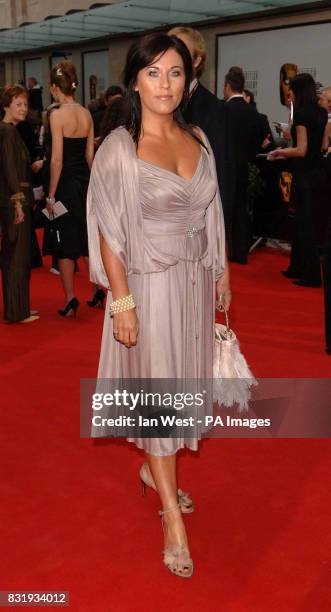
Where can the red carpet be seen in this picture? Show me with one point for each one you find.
(72, 515)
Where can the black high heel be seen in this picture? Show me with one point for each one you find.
(289, 274)
(98, 299)
(307, 283)
(72, 305)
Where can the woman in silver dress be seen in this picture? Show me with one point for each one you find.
(156, 238)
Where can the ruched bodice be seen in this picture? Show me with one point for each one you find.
(174, 208)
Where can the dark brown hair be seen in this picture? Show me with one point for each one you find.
(113, 117)
(304, 89)
(113, 90)
(235, 79)
(8, 94)
(64, 76)
(236, 69)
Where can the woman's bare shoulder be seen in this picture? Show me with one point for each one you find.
(56, 116)
(85, 111)
(66, 110)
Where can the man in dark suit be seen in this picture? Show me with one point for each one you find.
(207, 111)
(265, 134)
(35, 95)
(244, 135)
(327, 291)
(326, 261)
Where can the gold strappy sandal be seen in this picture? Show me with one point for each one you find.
(184, 500)
(177, 557)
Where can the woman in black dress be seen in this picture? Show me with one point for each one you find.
(72, 156)
(309, 134)
(15, 208)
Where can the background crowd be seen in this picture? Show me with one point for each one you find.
(273, 182)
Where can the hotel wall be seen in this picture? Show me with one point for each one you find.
(14, 66)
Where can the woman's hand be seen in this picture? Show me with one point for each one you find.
(126, 327)
(267, 142)
(50, 206)
(276, 153)
(19, 214)
(223, 290)
(287, 135)
(37, 165)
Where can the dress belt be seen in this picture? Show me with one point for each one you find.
(189, 231)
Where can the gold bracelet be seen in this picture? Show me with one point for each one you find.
(121, 305)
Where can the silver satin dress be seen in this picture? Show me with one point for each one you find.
(175, 305)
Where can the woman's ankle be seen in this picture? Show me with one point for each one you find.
(175, 534)
(174, 522)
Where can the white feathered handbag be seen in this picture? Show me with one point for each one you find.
(232, 377)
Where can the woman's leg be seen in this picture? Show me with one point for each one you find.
(306, 242)
(55, 262)
(163, 470)
(66, 267)
(296, 266)
(312, 264)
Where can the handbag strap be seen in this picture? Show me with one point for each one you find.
(220, 308)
